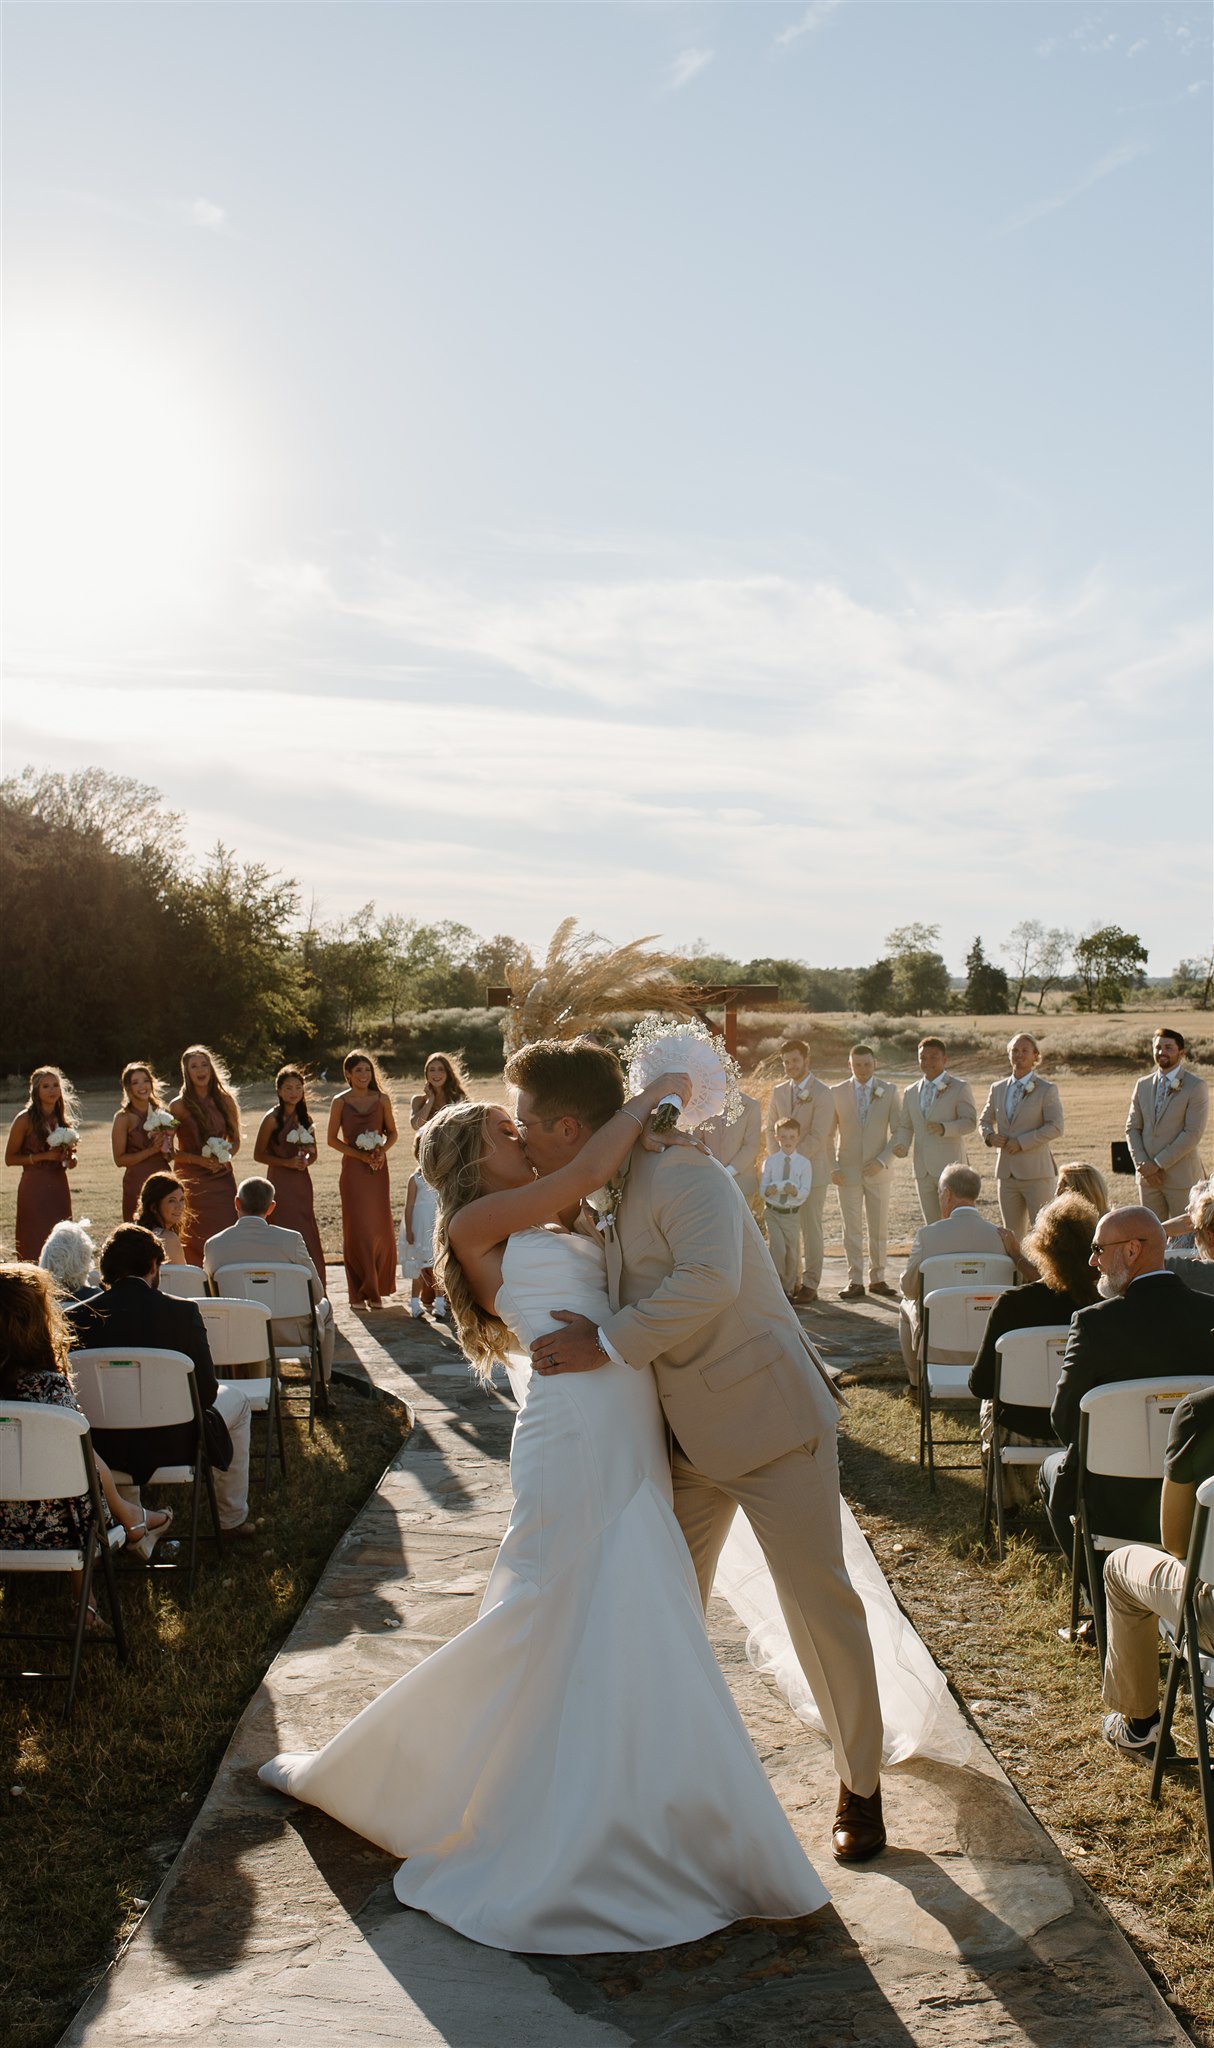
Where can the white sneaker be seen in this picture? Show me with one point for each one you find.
(415, 1308)
(439, 1311)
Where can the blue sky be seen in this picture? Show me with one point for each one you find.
(732, 471)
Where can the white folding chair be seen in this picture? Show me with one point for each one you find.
(953, 1325)
(966, 1269)
(120, 1387)
(1028, 1366)
(239, 1336)
(1187, 1654)
(1123, 1432)
(289, 1294)
(185, 1283)
(46, 1454)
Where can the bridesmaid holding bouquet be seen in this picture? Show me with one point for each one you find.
(208, 1138)
(286, 1147)
(362, 1128)
(142, 1137)
(42, 1142)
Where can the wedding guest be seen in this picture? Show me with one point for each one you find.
(162, 1210)
(1075, 1178)
(867, 1120)
(44, 1195)
(35, 1343)
(736, 1145)
(286, 1146)
(938, 1115)
(253, 1239)
(1168, 1112)
(208, 1116)
(138, 1152)
(1196, 1267)
(444, 1082)
(68, 1256)
(960, 1229)
(1058, 1252)
(785, 1178)
(1020, 1120)
(363, 1110)
(811, 1105)
(415, 1246)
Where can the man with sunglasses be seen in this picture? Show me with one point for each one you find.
(1147, 1325)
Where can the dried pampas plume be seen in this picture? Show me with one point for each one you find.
(581, 982)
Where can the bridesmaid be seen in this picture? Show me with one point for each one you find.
(134, 1151)
(445, 1082)
(368, 1246)
(162, 1211)
(289, 1166)
(206, 1108)
(44, 1195)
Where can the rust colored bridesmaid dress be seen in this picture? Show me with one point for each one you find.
(210, 1198)
(133, 1177)
(367, 1244)
(294, 1201)
(44, 1198)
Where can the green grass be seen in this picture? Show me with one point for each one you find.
(93, 1811)
(993, 1629)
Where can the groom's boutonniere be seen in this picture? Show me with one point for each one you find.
(604, 1203)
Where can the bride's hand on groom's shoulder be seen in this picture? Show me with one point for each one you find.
(669, 1141)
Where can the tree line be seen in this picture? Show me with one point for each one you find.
(117, 945)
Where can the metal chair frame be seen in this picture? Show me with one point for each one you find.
(1002, 1453)
(1187, 1656)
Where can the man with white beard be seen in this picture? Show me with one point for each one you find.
(1147, 1325)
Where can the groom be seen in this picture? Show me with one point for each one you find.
(751, 1412)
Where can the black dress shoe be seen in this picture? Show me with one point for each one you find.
(882, 1287)
(859, 1830)
(852, 1292)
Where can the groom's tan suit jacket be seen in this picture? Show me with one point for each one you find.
(694, 1294)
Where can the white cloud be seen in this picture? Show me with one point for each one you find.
(1136, 48)
(205, 214)
(687, 65)
(816, 15)
(1113, 160)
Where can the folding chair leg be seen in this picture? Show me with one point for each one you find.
(1204, 1766)
(1095, 1571)
(110, 1575)
(1076, 1573)
(82, 1613)
(1171, 1688)
(313, 1378)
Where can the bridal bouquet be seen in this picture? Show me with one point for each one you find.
(659, 1047)
(370, 1141)
(63, 1134)
(301, 1135)
(218, 1148)
(159, 1120)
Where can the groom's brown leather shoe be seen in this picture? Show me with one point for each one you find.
(859, 1831)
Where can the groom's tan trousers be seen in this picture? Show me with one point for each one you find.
(793, 1507)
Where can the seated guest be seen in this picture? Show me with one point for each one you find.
(1075, 1178)
(133, 1311)
(35, 1341)
(1059, 1252)
(253, 1240)
(162, 1211)
(1147, 1325)
(1196, 1266)
(960, 1229)
(68, 1256)
(1143, 1585)
(736, 1145)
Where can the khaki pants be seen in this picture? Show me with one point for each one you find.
(793, 1507)
(292, 1331)
(1142, 1586)
(929, 1197)
(908, 1338)
(232, 1486)
(865, 1201)
(1019, 1201)
(783, 1242)
(812, 1214)
(1170, 1198)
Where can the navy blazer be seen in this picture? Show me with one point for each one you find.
(131, 1312)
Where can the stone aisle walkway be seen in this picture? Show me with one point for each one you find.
(278, 1929)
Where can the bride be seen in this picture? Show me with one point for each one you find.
(569, 1774)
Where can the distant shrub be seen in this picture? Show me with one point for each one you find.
(475, 1034)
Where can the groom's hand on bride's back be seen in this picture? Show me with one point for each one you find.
(573, 1348)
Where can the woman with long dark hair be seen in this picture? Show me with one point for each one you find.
(362, 1128)
(137, 1153)
(44, 1195)
(443, 1082)
(162, 1210)
(286, 1147)
(208, 1138)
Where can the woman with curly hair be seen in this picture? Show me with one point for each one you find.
(208, 1138)
(138, 1155)
(44, 1195)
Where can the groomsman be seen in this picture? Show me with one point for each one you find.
(736, 1145)
(1168, 1112)
(866, 1130)
(810, 1104)
(938, 1115)
(1020, 1120)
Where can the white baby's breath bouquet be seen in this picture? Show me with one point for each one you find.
(662, 1046)
(218, 1148)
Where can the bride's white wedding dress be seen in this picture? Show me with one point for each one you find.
(570, 1773)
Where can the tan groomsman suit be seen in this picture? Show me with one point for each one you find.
(865, 1197)
(753, 1415)
(1024, 1180)
(1164, 1129)
(737, 1145)
(255, 1241)
(966, 1230)
(810, 1101)
(952, 1105)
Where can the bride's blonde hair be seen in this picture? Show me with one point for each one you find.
(449, 1156)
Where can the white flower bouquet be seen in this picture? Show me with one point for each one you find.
(370, 1141)
(159, 1120)
(62, 1138)
(218, 1148)
(302, 1135)
(659, 1047)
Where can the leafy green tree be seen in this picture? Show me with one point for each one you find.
(240, 985)
(986, 989)
(1106, 960)
(875, 988)
(921, 979)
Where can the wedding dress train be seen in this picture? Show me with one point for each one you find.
(570, 1773)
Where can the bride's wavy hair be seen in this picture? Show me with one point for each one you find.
(449, 1155)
